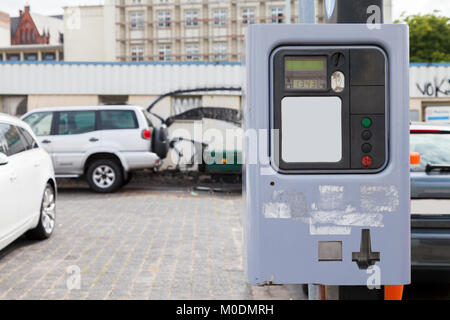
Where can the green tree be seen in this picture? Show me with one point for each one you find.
(429, 37)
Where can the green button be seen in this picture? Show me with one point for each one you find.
(366, 122)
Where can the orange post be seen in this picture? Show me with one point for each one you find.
(393, 292)
(324, 292)
(414, 158)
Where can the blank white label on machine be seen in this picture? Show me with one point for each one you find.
(311, 129)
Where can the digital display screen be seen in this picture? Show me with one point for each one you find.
(306, 72)
(299, 65)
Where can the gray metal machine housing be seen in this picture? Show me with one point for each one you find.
(327, 223)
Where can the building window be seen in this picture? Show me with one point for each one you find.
(192, 51)
(220, 51)
(31, 56)
(220, 17)
(164, 19)
(191, 18)
(49, 56)
(137, 53)
(137, 20)
(13, 57)
(277, 15)
(248, 15)
(164, 52)
(33, 36)
(112, 100)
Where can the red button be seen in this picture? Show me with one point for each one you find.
(366, 161)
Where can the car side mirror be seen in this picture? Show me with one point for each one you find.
(3, 159)
(414, 158)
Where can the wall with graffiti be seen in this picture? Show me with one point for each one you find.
(430, 81)
(429, 90)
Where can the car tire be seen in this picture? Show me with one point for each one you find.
(104, 176)
(47, 216)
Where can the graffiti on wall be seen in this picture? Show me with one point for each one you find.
(438, 88)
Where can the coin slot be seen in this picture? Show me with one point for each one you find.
(337, 81)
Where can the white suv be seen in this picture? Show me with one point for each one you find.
(102, 143)
(27, 184)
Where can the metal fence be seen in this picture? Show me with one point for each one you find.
(24, 78)
(153, 78)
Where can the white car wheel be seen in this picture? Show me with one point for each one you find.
(47, 217)
(103, 176)
(48, 212)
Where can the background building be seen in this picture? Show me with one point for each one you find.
(34, 28)
(171, 30)
(89, 33)
(5, 27)
(190, 30)
(168, 30)
(33, 37)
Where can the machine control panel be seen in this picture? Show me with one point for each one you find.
(329, 109)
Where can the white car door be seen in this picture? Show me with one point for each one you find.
(31, 175)
(9, 189)
(75, 136)
(41, 124)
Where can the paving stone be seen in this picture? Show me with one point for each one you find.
(135, 244)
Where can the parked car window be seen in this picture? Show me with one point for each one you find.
(118, 119)
(14, 142)
(3, 148)
(433, 149)
(40, 123)
(27, 139)
(76, 122)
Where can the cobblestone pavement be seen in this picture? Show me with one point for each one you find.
(136, 244)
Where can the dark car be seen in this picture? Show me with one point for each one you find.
(430, 219)
(430, 179)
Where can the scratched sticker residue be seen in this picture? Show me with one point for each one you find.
(379, 198)
(333, 213)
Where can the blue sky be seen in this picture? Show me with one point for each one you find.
(55, 6)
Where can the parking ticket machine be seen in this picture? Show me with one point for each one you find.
(327, 155)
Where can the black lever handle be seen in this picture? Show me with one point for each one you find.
(93, 139)
(46, 141)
